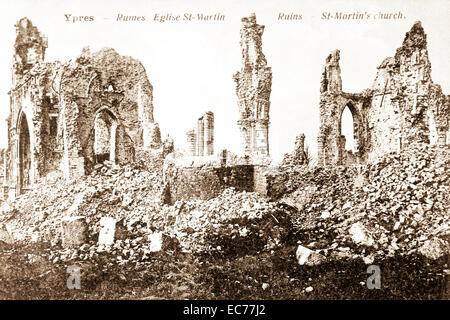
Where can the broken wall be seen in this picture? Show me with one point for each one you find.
(59, 104)
(402, 106)
(206, 182)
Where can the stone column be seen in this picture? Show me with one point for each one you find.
(200, 137)
(112, 142)
(191, 141)
(331, 77)
(300, 146)
(208, 123)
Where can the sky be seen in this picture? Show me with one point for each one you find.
(190, 63)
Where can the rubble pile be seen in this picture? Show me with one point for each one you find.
(201, 225)
(397, 205)
(125, 193)
(131, 195)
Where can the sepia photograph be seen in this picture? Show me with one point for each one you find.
(212, 152)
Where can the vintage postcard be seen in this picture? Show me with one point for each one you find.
(225, 150)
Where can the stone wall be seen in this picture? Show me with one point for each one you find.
(206, 182)
(402, 106)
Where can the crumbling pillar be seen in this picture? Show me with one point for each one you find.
(191, 141)
(261, 137)
(299, 150)
(331, 76)
(208, 127)
(201, 140)
(200, 137)
(253, 88)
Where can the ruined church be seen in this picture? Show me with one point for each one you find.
(404, 105)
(70, 116)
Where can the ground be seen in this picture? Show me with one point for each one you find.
(173, 275)
(239, 245)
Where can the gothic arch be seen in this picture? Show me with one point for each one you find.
(24, 154)
(105, 135)
(357, 122)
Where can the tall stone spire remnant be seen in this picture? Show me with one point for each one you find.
(253, 87)
(29, 48)
(331, 76)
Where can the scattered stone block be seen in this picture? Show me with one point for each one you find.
(35, 236)
(122, 232)
(360, 235)
(325, 215)
(4, 235)
(155, 241)
(107, 231)
(434, 248)
(74, 231)
(308, 257)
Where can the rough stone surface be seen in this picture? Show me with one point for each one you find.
(396, 205)
(207, 181)
(434, 248)
(360, 235)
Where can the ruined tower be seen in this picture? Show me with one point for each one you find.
(403, 106)
(253, 87)
(201, 139)
(29, 48)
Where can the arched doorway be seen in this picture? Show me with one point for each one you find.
(349, 134)
(105, 136)
(348, 129)
(24, 154)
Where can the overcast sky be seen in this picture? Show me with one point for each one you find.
(190, 63)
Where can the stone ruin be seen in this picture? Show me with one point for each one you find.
(201, 140)
(71, 116)
(403, 106)
(207, 175)
(299, 156)
(98, 107)
(253, 87)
